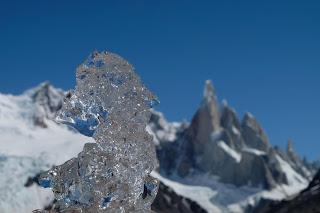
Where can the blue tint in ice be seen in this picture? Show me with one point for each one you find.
(45, 183)
(74, 193)
(99, 111)
(86, 120)
(115, 79)
(86, 127)
(150, 186)
(106, 201)
(99, 63)
(152, 103)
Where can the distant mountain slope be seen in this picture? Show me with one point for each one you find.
(30, 142)
(216, 163)
(167, 201)
(307, 201)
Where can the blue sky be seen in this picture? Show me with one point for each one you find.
(263, 56)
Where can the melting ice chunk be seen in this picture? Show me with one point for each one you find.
(111, 105)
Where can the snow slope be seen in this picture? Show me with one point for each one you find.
(26, 149)
(200, 194)
(217, 197)
(232, 153)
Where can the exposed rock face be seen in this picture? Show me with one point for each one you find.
(210, 107)
(308, 201)
(197, 139)
(48, 97)
(253, 134)
(297, 163)
(232, 126)
(48, 100)
(216, 142)
(205, 121)
(167, 201)
(165, 133)
(162, 130)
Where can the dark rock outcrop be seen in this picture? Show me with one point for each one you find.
(167, 201)
(253, 134)
(307, 201)
(232, 127)
(48, 100)
(302, 166)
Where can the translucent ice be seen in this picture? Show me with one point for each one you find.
(111, 105)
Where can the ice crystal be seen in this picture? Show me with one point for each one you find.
(111, 105)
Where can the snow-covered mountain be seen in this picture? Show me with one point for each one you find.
(231, 160)
(215, 164)
(307, 201)
(30, 142)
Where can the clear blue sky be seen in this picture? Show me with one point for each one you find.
(263, 56)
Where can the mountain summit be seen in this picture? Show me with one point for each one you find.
(217, 145)
(47, 100)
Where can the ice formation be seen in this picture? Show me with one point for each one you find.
(111, 105)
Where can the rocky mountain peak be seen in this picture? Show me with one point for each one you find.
(248, 118)
(206, 120)
(290, 148)
(162, 130)
(253, 133)
(217, 143)
(198, 136)
(209, 92)
(47, 97)
(208, 113)
(291, 153)
(47, 101)
(229, 117)
(303, 166)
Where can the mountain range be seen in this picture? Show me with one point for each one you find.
(215, 163)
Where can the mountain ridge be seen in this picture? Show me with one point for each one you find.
(215, 134)
(212, 145)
